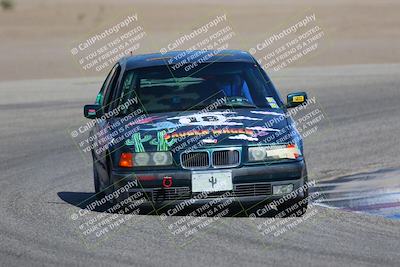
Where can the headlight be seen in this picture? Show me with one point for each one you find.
(257, 153)
(141, 159)
(152, 159)
(273, 152)
(162, 158)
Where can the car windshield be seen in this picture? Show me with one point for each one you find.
(163, 89)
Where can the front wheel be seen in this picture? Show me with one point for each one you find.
(298, 206)
(97, 186)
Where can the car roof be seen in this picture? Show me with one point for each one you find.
(174, 57)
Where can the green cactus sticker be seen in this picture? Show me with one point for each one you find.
(137, 141)
(161, 143)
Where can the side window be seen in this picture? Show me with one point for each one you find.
(127, 88)
(111, 87)
(100, 95)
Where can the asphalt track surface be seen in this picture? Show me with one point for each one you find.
(43, 177)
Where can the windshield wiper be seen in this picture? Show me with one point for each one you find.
(235, 105)
(223, 106)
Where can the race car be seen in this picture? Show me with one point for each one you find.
(195, 126)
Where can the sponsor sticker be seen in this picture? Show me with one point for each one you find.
(298, 98)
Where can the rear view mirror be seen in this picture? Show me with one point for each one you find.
(295, 99)
(92, 111)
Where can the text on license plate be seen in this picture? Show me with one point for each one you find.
(211, 181)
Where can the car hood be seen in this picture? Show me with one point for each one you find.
(195, 129)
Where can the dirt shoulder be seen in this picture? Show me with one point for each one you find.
(36, 38)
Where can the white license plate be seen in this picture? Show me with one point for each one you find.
(211, 181)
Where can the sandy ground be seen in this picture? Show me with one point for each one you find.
(37, 36)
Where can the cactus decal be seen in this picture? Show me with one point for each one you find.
(161, 143)
(137, 141)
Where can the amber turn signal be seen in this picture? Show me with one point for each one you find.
(125, 160)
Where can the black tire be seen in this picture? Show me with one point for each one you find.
(301, 205)
(304, 206)
(97, 188)
(111, 187)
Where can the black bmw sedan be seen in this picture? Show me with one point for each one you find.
(193, 126)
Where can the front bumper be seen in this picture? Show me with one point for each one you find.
(251, 184)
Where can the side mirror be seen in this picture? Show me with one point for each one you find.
(92, 111)
(295, 99)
